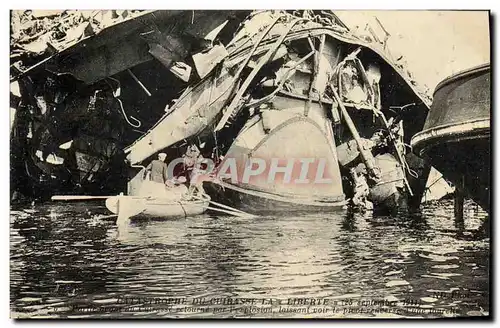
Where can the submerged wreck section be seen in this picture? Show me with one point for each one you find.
(317, 115)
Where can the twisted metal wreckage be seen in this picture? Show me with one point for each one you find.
(92, 110)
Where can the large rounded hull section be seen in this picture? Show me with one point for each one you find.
(296, 154)
(456, 135)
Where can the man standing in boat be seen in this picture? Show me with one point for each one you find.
(193, 160)
(158, 169)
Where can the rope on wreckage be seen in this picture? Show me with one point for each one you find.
(353, 56)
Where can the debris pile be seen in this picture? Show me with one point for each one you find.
(35, 33)
(232, 81)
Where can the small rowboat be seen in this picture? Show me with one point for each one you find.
(150, 207)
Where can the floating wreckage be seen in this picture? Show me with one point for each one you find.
(456, 135)
(437, 187)
(265, 94)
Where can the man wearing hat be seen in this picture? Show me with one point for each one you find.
(158, 169)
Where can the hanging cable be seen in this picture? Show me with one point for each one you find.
(138, 125)
(116, 95)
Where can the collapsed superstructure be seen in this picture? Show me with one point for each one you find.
(239, 84)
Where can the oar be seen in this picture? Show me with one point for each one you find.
(222, 205)
(232, 210)
(77, 197)
(228, 207)
(106, 217)
(246, 215)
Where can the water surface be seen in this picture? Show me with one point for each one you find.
(67, 261)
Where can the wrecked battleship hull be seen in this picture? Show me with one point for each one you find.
(303, 82)
(275, 69)
(396, 89)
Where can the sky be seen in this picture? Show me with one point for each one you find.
(435, 44)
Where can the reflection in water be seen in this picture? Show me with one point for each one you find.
(66, 256)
